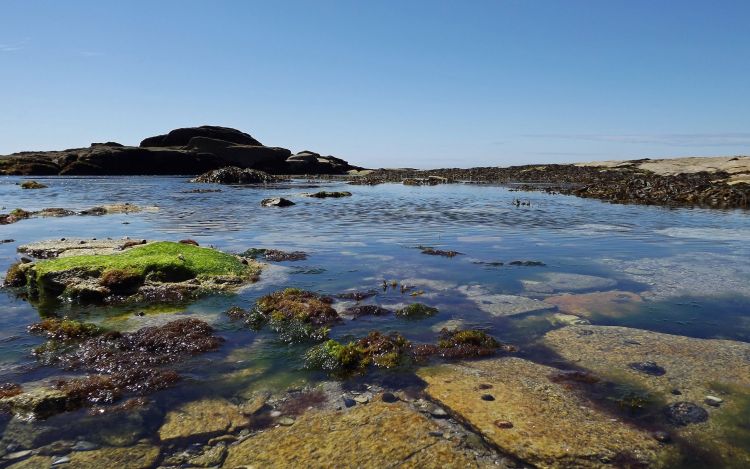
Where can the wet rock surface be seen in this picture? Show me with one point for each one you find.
(503, 305)
(534, 419)
(201, 420)
(378, 434)
(692, 369)
(274, 255)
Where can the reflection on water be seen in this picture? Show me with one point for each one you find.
(688, 268)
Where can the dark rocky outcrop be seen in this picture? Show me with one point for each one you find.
(181, 137)
(185, 151)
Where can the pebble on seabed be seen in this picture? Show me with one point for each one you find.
(713, 401)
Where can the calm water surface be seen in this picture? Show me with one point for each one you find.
(691, 266)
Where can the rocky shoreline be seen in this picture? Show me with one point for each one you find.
(700, 182)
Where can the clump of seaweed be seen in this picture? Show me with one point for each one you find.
(416, 311)
(341, 360)
(274, 255)
(470, 343)
(120, 363)
(296, 315)
(10, 389)
(16, 276)
(385, 350)
(326, 194)
(430, 251)
(14, 216)
(32, 185)
(65, 329)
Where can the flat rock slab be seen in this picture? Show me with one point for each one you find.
(140, 456)
(504, 305)
(609, 304)
(538, 421)
(201, 420)
(662, 364)
(738, 167)
(695, 274)
(76, 247)
(373, 436)
(560, 282)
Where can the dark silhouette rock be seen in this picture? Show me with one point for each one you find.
(186, 151)
(181, 137)
(245, 156)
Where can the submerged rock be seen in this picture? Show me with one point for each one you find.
(201, 420)
(557, 282)
(598, 304)
(694, 367)
(503, 305)
(140, 456)
(538, 421)
(32, 185)
(366, 310)
(373, 435)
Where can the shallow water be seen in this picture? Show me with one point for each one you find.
(689, 266)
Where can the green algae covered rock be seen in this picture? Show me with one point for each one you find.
(381, 350)
(416, 311)
(160, 271)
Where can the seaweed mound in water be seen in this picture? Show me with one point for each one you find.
(469, 343)
(382, 350)
(416, 311)
(161, 271)
(122, 363)
(235, 175)
(328, 195)
(297, 315)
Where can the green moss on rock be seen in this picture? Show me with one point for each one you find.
(152, 270)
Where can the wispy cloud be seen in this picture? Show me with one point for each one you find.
(680, 140)
(13, 46)
(89, 53)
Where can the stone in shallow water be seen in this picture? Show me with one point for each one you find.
(694, 274)
(558, 282)
(201, 419)
(695, 367)
(649, 368)
(610, 304)
(375, 435)
(541, 422)
(685, 413)
(503, 305)
(140, 456)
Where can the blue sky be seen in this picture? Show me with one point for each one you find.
(385, 83)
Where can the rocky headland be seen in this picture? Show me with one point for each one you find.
(185, 151)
